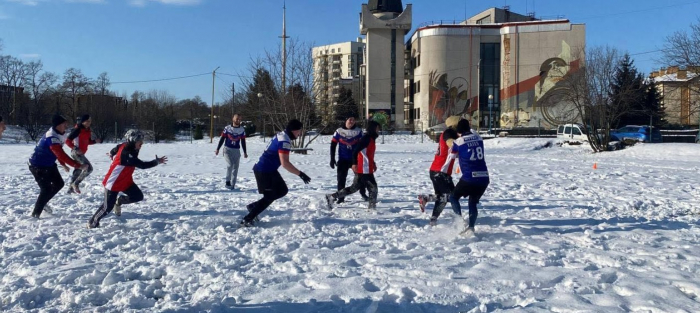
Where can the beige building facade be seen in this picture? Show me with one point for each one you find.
(336, 66)
(680, 89)
(385, 24)
(498, 69)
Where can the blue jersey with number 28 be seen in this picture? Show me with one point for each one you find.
(470, 153)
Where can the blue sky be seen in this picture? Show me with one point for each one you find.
(135, 40)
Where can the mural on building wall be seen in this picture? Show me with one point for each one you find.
(448, 99)
(542, 95)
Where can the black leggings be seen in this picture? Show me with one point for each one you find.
(132, 195)
(474, 192)
(443, 185)
(343, 167)
(272, 187)
(50, 182)
(361, 181)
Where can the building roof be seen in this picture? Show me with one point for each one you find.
(380, 6)
(673, 77)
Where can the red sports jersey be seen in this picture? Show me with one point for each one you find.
(119, 177)
(365, 159)
(440, 163)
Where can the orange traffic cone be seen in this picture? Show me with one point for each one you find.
(595, 165)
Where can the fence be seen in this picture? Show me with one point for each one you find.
(687, 136)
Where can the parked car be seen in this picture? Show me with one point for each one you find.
(636, 133)
(572, 132)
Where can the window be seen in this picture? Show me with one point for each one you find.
(332, 50)
(485, 20)
(418, 61)
(418, 87)
(567, 130)
(576, 131)
(338, 50)
(359, 49)
(560, 130)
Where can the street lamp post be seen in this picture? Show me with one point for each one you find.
(260, 95)
(490, 109)
(211, 120)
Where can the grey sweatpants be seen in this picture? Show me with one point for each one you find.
(233, 158)
(78, 174)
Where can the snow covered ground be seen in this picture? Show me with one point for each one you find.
(555, 235)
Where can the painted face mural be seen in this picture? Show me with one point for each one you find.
(542, 102)
(448, 99)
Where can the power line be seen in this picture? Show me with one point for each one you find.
(160, 79)
(641, 10)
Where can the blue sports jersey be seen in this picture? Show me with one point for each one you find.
(470, 150)
(270, 159)
(347, 139)
(43, 156)
(233, 136)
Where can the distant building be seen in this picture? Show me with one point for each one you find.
(335, 66)
(497, 69)
(385, 23)
(680, 89)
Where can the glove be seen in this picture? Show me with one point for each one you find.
(333, 163)
(305, 177)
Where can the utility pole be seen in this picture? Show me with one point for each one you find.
(284, 49)
(233, 99)
(211, 116)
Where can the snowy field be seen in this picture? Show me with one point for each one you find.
(554, 235)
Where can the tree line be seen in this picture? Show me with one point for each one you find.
(30, 95)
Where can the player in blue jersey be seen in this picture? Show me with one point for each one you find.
(270, 182)
(469, 151)
(234, 138)
(346, 138)
(42, 163)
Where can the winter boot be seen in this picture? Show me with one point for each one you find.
(340, 200)
(228, 185)
(433, 221)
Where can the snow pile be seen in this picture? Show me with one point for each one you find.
(554, 235)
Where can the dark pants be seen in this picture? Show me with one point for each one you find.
(50, 182)
(272, 187)
(78, 174)
(471, 190)
(361, 181)
(343, 167)
(131, 195)
(443, 185)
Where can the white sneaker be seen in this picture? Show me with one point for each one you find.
(468, 232)
(75, 188)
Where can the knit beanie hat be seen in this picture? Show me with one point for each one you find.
(57, 120)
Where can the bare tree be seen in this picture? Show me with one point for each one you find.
(590, 91)
(39, 85)
(278, 104)
(102, 84)
(12, 73)
(74, 85)
(682, 49)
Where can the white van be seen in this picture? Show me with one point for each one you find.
(572, 132)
